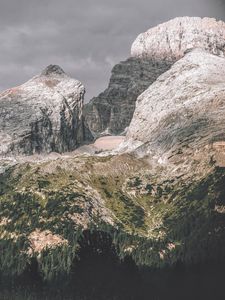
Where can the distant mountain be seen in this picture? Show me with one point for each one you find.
(112, 111)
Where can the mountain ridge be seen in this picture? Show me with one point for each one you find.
(152, 54)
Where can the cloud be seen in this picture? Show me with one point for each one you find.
(86, 38)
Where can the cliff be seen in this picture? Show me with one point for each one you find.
(112, 111)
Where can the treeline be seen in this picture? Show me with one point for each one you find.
(97, 273)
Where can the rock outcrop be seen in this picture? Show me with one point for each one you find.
(172, 39)
(153, 53)
(112, 111)
(183, 109)
(42, 115)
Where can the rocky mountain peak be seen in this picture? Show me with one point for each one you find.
(42, 115)
(172, 39)
(153, 53)
(53, 70)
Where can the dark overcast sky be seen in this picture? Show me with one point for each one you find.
(86, 38)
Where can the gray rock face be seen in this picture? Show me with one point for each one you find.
(42, 115)
(153, 53)
(183, 110)
(172, 39)
(112, 111)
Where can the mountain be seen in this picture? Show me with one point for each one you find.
(152, 54)
(183, 110)
(42, 115)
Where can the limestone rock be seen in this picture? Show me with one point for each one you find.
(112, 111)
(172, 39)
(183, 109)
(42, 115)
(152, 54)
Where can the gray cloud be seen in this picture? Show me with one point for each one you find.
(86, 38)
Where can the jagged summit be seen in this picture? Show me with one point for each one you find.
(172, 39)
(53, 69)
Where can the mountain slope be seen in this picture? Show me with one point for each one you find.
(183, 110)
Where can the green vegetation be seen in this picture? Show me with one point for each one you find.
(156, 222)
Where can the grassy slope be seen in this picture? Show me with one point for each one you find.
(157, 220)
